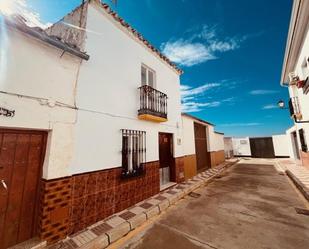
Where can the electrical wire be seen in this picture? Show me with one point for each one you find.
(65, 105)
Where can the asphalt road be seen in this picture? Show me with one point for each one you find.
(250, 206)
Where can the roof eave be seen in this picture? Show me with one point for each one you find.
(298, 28)
(197, 119)
(45, 38)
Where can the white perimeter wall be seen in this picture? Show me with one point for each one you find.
(241, 146)
(216, 140)
(108, 93)
(281, 145)
(188, 140)
(30, 67)
(228, 144)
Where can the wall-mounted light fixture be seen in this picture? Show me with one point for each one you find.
(281, 105)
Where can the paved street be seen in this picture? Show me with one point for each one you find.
(250, 206)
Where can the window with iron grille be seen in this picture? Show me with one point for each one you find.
(133, 152)
(303, 142)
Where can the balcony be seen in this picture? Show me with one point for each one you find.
(153, 104)
(295, 108)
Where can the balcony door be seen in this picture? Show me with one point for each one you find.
(148, 76)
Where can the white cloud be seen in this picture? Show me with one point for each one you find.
(262, 92)
(224, 46)
(239, 124)
(187, 91)
(33, 18)
(200, 47)
(271, 106)
(189, 96)
(186, 53)
(196, 107)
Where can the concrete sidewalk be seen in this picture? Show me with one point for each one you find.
(103, 233)
(298, 174)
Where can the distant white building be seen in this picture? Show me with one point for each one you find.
(295, 75)
(276, 146)
(241, 146)
(228, 147)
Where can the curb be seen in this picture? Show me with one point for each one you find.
(104, 233)
(301, 187)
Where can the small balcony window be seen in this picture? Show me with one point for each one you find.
(133, 152)
(148, 76)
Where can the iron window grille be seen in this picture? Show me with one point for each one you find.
(133, 152)
(303, 142)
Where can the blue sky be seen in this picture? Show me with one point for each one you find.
(231, 52)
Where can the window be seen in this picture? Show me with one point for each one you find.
(133, 152)
(303, 142)
(243, 141)
(148, 76)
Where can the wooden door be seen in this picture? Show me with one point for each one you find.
(165, 156)
(202, 155)
(295, 145)
(21, 158)
(262, 147)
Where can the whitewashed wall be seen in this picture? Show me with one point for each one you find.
(188, 141)
(228, 147)
(294, 91)
(216, 140)
(241, 146)
(228, 143)
(29, 67)
(108, 92)
(291, 145)
(281, 145)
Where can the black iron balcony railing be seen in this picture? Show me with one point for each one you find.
(294, 106)
(152, 102)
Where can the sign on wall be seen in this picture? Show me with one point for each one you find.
(7, 113)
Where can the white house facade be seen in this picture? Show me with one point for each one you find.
(295, 76)
(90, 123)
(36, 124)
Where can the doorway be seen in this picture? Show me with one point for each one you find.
(21, 159)
(165, 157)
(295, 145)
(202, 155)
